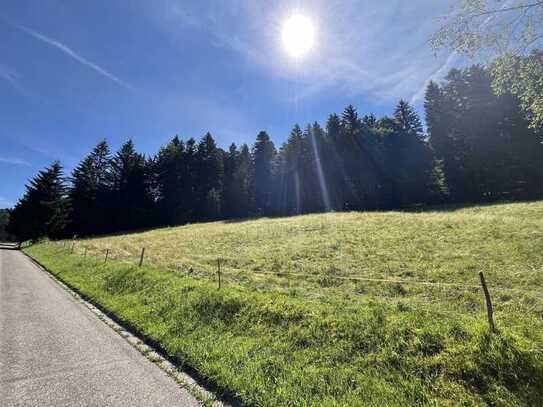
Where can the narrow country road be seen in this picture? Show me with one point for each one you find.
(55, 352)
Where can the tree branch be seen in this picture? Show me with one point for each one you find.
(501, 10)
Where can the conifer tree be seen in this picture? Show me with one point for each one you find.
(90, 191)
(407, 120)
(230, 185)
(43, 210)
(170, 180)
(263, 161)
(210, 179)
(410, 160)
(130, 201)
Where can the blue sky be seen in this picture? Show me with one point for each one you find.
(75, 72)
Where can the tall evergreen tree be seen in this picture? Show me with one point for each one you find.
(43, 210)
(230, 186)
(263, 161)
(292, 166)
(130, 200)
(484, 141)
(237, 182)
(410, 167)
(90, 191)
(4, 221)
(172, 182)
(210, 179)
(358, 148)
(407, 120)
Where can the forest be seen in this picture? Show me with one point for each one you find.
(476, 147)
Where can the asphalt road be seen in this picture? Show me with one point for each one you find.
(55, 352)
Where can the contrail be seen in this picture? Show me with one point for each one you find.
(450, 61)
(438, 73)
(67, 50)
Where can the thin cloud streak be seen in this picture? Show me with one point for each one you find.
(67, 50)
(8, 74)
(348, 60)
(15, 161)
(438, 74)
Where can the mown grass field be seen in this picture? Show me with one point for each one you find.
(335, 309)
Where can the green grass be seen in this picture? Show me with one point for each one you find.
(300, 319)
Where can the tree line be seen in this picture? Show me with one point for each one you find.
(4, 220)
(478, 147)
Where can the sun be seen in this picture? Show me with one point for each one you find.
(298, 34)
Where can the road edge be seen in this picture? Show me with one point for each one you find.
(183, 379)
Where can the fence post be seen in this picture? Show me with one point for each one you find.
(72, 249)
(219, 271)
(489, 308)
(141, 256)
(85, 254)
(107, 254)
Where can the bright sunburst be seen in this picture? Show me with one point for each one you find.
(298, 33)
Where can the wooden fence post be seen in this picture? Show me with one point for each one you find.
(107, 254)
(219, 271)
(489, 308)
(73, 245)
(141, 256)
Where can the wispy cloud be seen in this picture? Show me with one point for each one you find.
(377, 50)
(15, 161)
(437, 75)
(8, 74)
(70, 52)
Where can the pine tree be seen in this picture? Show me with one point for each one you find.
(263, 182)
(242, 182)
(210, 179)
(407, 120)
(90, 191)
(335, 168)
(357, 146)
(231, 187)
(131, 200)
(172, 184)
(293, 163)
(482, 142)
(369, 120)
(43, 210)
(410, 159)
(319, 152)
(4, 221)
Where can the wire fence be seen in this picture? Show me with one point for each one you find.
(318, 285)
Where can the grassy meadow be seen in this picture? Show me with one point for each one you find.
(335, 309)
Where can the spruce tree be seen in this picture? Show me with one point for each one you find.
(410, 159)
(130, 200)
(230, 185)
(172, 184)
(407, 120)
(210, 179)
(43, 210)
(263, 161)
(90, 191)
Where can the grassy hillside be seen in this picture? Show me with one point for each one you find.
(348, 309)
